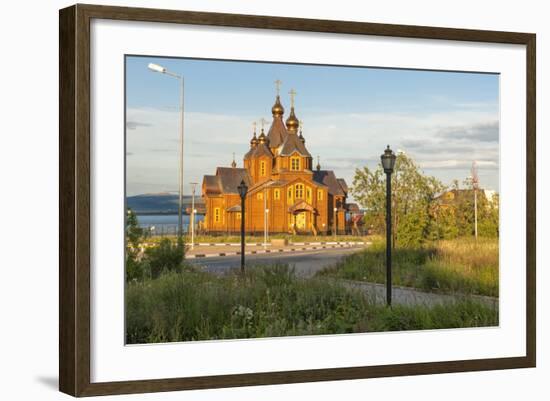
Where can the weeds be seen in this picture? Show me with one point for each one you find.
(452, 266)
(271, 302)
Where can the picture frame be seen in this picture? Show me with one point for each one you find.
(75, 208)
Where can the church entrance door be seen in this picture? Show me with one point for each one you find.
(301, 221)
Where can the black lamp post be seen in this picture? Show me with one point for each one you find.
(388, 163)
(243, 189)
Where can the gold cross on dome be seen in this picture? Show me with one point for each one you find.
(254, 126)
(263, 121)
(301, 125)
(292, 94)
(278, 83)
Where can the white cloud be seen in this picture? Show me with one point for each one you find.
(445, 143)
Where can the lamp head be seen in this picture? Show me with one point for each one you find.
(243, 189)
(388, 160)
(156, 68)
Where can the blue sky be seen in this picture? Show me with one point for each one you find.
(444, 120)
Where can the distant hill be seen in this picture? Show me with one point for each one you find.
(161, 203)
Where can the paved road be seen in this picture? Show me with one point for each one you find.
(306, 263)
(412, 296)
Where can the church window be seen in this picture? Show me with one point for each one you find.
(217, 215)
(299, 192)
(295, 163)
(260, 196)
(262, 168)
(289, 195)
(277, 194)
(238, 215)
(308, 194)
(320, 194)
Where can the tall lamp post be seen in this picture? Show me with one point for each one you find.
(243, 189)
(193, 211)
(265, 212)
(334, 222)
(388, 163)
(162, 70)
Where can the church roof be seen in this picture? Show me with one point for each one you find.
(277, 132)
(301, 205)
(234, 208)
(293, 144)
(343, 185)
(211, 185)
(265, 184)
(249, 154)
(260, 149)
(229, 178)
(328, 178)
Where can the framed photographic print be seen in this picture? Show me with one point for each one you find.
(250, 200)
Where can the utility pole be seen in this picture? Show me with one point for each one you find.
(475, 186)
(265, 215)
(193, 211)
(160, 69)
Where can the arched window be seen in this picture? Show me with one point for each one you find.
(299, 191)
(320, 194)
(295, 163)
(277, 194)
(308, 194)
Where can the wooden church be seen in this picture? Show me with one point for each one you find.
(286, 193)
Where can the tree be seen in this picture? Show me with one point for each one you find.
(412, 195)
(134, 237)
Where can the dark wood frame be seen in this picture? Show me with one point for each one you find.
(74, 199)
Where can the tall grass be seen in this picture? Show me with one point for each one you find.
(452, 266)
(270, 302)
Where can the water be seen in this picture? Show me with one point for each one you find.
(165, 224)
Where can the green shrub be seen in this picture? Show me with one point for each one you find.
(164, 256)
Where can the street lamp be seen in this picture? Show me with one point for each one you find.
(388, 163)
(243, 189)
(266, 227)
(334, 223)
(162, 70)
(193, 211)
(266, 217)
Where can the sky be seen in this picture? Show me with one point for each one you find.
(443, 120)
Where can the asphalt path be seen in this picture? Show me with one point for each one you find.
(305, 263)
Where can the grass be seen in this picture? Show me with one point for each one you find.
(271, 302)
(462, 266)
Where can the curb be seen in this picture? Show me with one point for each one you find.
(290, 243)
(262, 251)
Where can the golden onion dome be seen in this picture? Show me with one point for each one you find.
(262, 137)
(254, 140)
(278, 110)
(292, 122)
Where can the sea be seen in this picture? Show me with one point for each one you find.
(166, 224)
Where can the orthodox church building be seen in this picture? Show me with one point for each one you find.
(286, 192)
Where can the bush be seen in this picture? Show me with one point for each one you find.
(164, 256)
